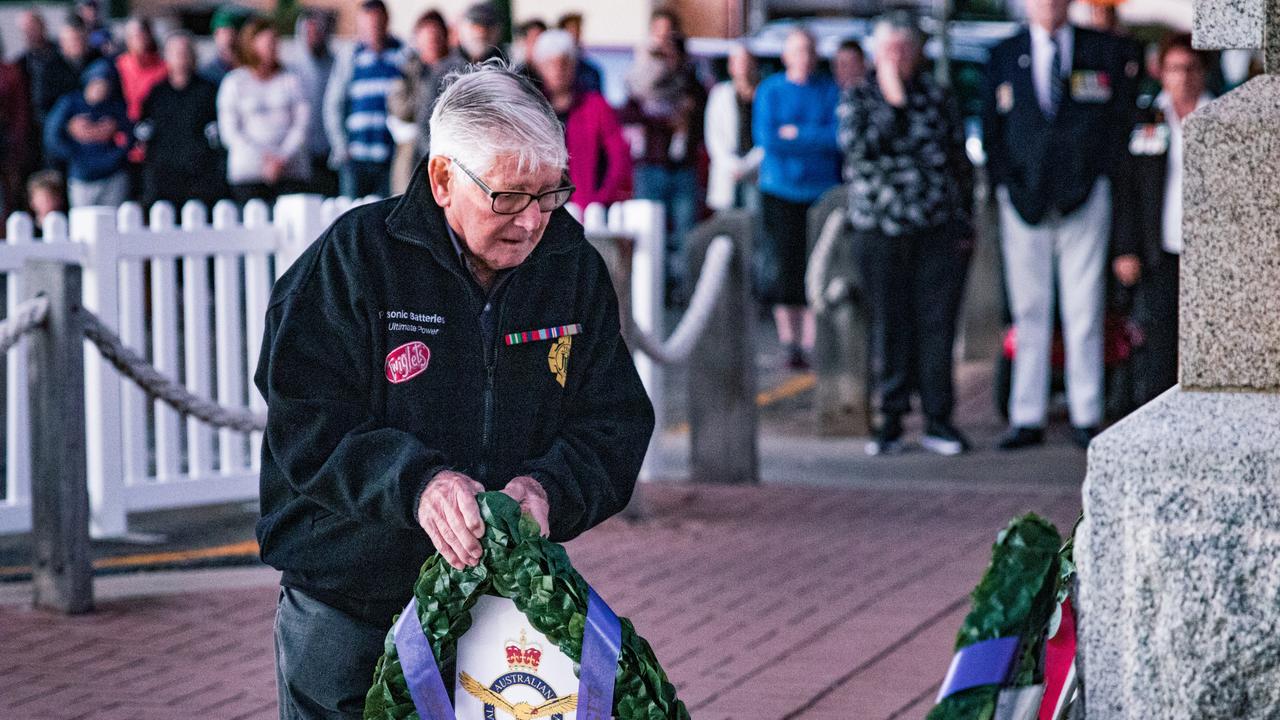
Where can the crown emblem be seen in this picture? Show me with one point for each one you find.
(523, 655)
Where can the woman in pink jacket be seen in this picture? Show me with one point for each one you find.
(599, 158)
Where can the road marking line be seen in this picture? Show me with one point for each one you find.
(788, 389)
(230, 550)
(792, 387)
(246, 547)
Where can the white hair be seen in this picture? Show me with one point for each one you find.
(487, 111)
(553, 44)
(898, 23)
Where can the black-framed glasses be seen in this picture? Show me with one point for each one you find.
(510, 202)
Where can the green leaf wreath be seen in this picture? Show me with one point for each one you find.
(1017, 597)
(535, 573)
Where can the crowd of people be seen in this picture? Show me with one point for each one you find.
(1086, 172)
(1086, 175)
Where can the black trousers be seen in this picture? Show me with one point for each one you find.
(781, 256)
(1155, 308)
(177, 187)
(914, 284)
(244, 192)
(324, 181)
(324, 659)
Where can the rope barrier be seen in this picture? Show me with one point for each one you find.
(677, 348)
(32, 314)
(28, 316)
(821, 292)
(134, 367)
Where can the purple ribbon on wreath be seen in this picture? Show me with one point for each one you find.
(982, 663)
(601, 647)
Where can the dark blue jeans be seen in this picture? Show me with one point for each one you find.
(324, 659)
(359, 178)
(677, 190)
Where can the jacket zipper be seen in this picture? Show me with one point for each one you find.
(486, 453)
(491, 363)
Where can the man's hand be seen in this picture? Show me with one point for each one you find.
(104, 131)
(272, 169)
(449, 513)
(80, 128)
(532, 498)
(1128, 269)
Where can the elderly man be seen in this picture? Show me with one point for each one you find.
(462, 337)
(479, 33)
(1057, 112)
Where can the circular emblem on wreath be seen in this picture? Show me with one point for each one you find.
(523, 658)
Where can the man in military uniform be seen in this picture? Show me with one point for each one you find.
(1058, 108)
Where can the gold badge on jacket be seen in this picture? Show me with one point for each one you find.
(558, 358)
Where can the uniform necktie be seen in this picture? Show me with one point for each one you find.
(1056, 81)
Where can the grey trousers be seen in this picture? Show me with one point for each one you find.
(324, 659)
(1071, 251)
(112, 190)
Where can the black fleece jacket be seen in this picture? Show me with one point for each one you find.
(377, 375)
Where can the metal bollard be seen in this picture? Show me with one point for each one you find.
(62, 574)
(722, 372)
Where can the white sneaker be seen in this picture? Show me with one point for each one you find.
(884, 447)
(942, 446)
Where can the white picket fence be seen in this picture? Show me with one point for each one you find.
(192, 297)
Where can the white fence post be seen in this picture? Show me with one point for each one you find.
(594, 218)
(133, 401)
(195, 308)
(96, 228)
(301, 219)
(19, 230)
(227, 313)
(647, 221)
(164, 337)
(256, 294)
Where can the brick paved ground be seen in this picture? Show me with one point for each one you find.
(833, 591)
(762, 602)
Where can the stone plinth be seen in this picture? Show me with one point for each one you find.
(1219, 24)
(1230, 302)
(1179, 561)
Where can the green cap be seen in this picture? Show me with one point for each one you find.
(229, 16)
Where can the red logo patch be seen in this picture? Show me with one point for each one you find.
(407, 361)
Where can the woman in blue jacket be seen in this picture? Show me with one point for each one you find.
(89, 131)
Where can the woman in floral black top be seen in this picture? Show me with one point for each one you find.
(910, 201)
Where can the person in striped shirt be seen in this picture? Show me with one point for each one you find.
(355, 113)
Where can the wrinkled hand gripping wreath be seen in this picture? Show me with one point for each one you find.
(535, 573)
